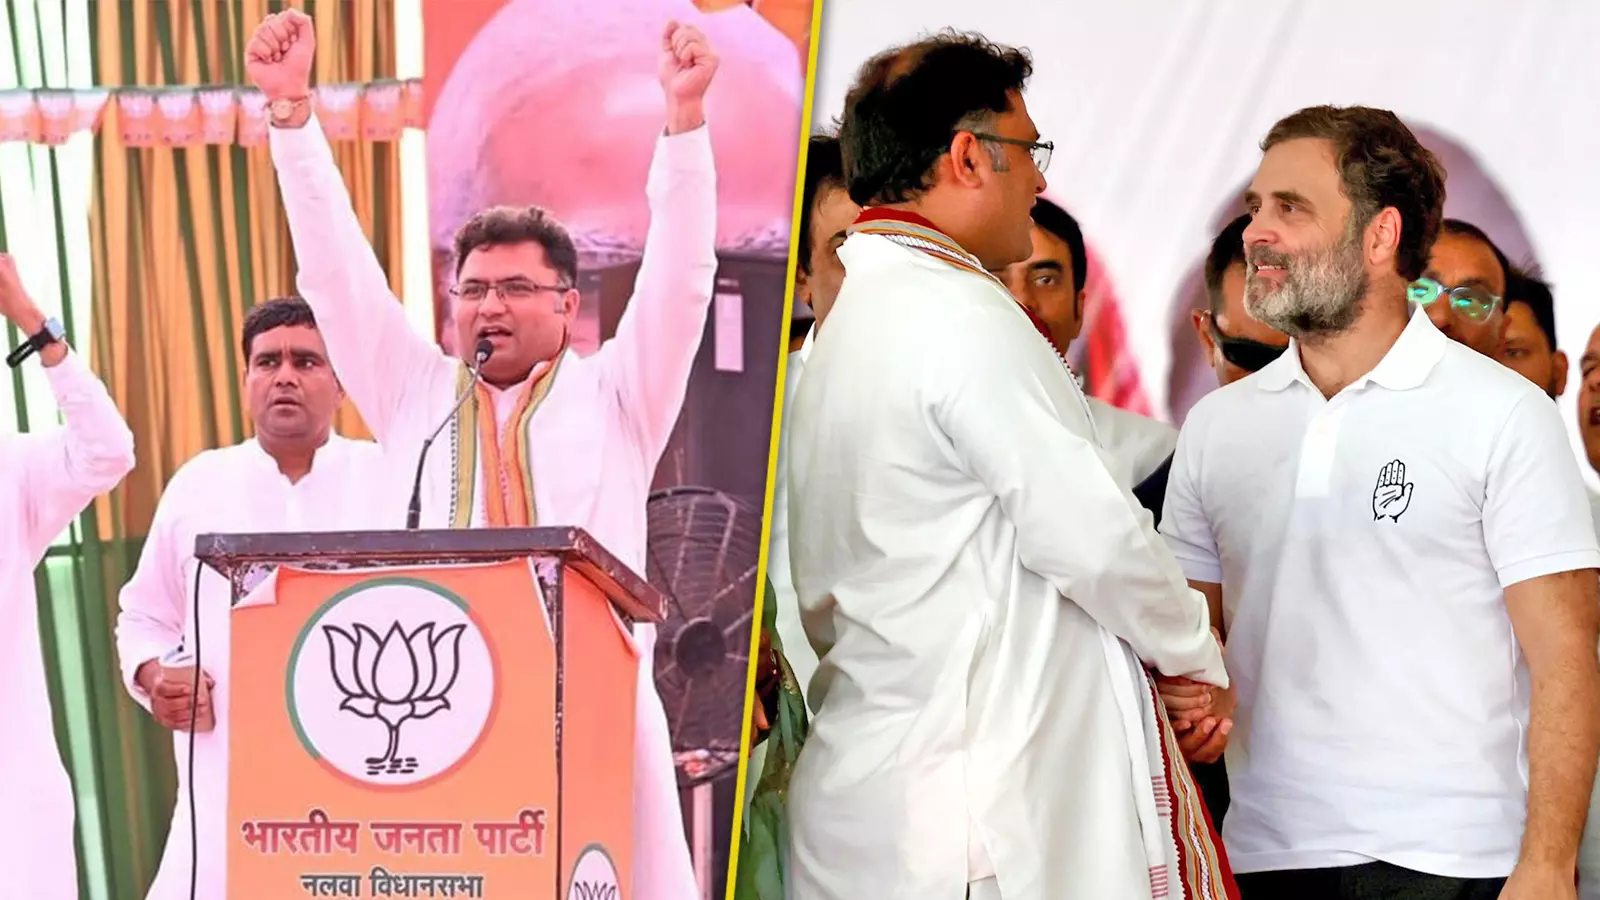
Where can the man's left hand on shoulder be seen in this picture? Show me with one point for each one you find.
(686, 68)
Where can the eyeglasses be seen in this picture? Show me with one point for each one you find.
(1470, 301)
(1251, 356)
(511, 290)
(1039, 150)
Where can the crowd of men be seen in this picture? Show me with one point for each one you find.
(515, 300)
(1361, 578)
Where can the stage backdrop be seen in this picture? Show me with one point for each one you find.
(1157, 109)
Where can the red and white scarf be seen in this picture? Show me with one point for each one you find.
(1186, 856)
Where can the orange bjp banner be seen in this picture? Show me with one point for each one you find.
(398, 735)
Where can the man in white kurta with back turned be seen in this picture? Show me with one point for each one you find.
(602, 422)
(47, 476)
(295, 475)
(968, 569)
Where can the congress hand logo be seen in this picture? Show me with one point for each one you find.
(1392, 497)
(394, 678)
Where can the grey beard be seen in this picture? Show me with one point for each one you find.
(1321, 296)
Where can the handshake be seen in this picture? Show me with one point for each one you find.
(1201, 714)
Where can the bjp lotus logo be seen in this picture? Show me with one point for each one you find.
(392, 682)
(394, 679)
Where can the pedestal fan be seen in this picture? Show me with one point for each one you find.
(703, 551)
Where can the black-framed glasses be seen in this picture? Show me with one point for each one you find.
(1039, 150)
(511, 290)
(1251, 356)
(1471, 301)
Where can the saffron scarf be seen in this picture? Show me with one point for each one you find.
(508, 499)
(1188, 861)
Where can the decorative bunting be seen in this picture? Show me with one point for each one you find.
(339, 111)
(252, 118)
(194, 116)
(411, 104)
(383, 118)
(19, 116)
(180, 117)
(136, 123)
(219, 112)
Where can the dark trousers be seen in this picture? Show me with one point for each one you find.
(1372, 881)
(1212, 780)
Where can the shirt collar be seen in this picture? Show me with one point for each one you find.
(1406, 365)
(804, 352)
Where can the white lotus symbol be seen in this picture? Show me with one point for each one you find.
(396, 677)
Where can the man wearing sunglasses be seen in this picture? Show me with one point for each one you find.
(1464, 287)
(1236, 344)
(1393, 534)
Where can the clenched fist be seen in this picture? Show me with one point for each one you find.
(278, 57)
(686, 67)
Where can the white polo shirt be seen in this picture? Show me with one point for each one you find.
(1383, 701)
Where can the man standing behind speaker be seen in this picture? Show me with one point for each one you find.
(546, 437)
(295, 474)
(47, 478)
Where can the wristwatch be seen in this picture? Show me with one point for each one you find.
(283, 109)
(49, 334)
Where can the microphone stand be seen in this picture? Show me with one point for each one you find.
(484, 350)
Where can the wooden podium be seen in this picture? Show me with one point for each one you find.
(430, 714)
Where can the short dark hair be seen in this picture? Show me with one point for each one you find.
(1227, 250)
(1381, 164)
(498, 226)
(908, 102)
(1469, 230)
(824, 169)
(1060, 223)
(1526, 287)
(279, 312)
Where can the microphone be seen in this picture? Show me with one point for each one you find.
(484, 350)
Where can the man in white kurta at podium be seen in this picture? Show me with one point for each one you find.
(48, 477)
(1050, 283)
(295, 475)
(981, 590)
(547, 438)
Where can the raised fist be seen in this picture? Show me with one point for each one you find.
(278, 57)
(687, 64)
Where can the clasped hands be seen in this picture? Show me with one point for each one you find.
(1201, 714)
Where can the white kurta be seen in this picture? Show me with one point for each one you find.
(595, 440)
(1138, 444)
(957, 543)
(47, 477)
(231, 490)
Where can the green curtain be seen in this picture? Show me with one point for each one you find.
(120, 765)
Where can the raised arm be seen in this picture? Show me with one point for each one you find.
(379, 358)
(653, 350)
(55, 473)
(1076, 526)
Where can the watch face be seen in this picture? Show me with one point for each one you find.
(55, 330)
